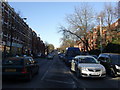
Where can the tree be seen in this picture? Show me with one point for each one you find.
(51, 47)
(109, 17)
(66, 43)
(80, 22)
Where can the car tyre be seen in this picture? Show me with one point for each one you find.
(112, 73)
(29, 78)
(78, 74)
(37, 71)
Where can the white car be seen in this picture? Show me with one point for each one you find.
(87, 66)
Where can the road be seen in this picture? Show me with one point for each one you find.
(55, 74)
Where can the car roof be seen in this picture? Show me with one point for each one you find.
(111, 53)
(14, 58)
(83, 56)
(18, 57)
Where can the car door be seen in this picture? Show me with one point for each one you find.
(107, 62)
(33, 65)
(36, 66)
(102, 60)
(28, 65)
(73, 65)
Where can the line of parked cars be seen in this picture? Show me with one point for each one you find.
(85, 65)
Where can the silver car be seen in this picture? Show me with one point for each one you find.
(87, 66)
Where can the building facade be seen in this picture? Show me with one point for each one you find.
(94, 38)
(17, 36)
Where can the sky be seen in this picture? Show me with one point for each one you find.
(46, 17)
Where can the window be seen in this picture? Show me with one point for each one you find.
(13, 61)
(27, 62)
(115, 59)
(87, 60)
(31, 60)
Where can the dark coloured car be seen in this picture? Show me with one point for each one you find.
(71, 52)
(19, 67)
(50, 56)
(95, 56)
(61, 56)
(111, 62)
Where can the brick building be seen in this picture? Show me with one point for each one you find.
(94, 38)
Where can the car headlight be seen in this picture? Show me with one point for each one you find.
(103, 69)
(84, 69)
(118, 67)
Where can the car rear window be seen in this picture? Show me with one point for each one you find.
(115, 59)
(87, 60)
(73, 52)
(13, 61)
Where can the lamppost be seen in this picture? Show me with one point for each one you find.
(100, 34)
(101, 47)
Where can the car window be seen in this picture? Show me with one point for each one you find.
(14, 61)
(115, 59)
(108, 59)
(73, 52)
(87, 60)
(27, 62)
(101, 58)
(31, 60)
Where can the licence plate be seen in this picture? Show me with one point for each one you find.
(95, 74)
(10, 70)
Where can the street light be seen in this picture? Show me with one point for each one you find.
(101, 33)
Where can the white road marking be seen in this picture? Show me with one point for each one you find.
(46, 72)
(59, 81)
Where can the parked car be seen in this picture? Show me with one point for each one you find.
(50, 56)
(71, 52)
(87, 66)
(111, 62)
(19, 67)
(95, 56)
(61, 56)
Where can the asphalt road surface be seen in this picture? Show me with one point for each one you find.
(54, 73)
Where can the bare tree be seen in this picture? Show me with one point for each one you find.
(80, 22)
(109, 17)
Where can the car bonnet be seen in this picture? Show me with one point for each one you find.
(90, 65)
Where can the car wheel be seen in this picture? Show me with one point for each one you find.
(78, 73)
(112, 73)
(37, 71)
(29, 78)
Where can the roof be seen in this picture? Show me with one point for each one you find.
(83, 56)
(18, 57)
(111, 53)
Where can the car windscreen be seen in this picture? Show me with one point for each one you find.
(87, 60)
(13, 61)
(73, 52)
(115, 59)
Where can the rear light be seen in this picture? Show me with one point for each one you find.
(24, 70)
